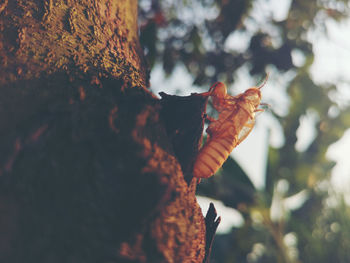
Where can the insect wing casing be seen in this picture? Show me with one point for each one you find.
(235, 121)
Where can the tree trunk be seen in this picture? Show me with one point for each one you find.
(88, 169)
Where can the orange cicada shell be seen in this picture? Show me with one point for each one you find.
(236, 120)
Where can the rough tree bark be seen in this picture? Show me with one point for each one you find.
(88, 167)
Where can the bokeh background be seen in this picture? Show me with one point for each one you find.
(284, 193)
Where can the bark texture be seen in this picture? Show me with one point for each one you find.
(88, 171)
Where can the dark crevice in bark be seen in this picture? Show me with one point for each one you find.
(183, 117)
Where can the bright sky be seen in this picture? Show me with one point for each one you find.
(332, 63)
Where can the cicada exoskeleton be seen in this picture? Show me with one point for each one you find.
(235, 121)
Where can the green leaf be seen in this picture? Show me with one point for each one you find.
(231, 185)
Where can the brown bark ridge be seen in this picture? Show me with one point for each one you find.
(88, 170)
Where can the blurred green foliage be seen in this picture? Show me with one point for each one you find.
(195, 33)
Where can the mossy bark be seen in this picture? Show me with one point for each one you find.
(87, 167)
